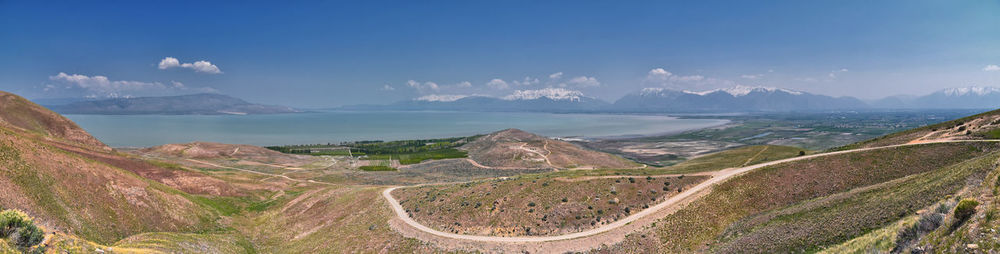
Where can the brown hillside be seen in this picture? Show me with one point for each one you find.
(94, 200)
(18, 112)
(980, 126)
(513, 148)
(209, 150)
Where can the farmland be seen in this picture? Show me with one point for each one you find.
(405, 151)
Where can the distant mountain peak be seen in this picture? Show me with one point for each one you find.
(557, 94)
(735, 91)
(440, 97)
(970, 90)
(741, 90)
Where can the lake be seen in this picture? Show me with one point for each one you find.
(339, 126)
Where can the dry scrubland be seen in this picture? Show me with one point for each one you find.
(514, 148)
(737, 157)
(981, 126)
(87, 197)
(931, 197)
(805, 205)
(536, 205)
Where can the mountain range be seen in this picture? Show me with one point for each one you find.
(733, 99)
(193, 104)
(543, 100)
(559, 100)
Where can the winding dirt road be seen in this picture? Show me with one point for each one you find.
(693, 192)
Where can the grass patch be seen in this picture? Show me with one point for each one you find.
(377, 168)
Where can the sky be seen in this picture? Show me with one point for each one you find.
(332, 53)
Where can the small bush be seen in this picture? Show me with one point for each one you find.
(19, 229)
(965, 209)
(802, 153)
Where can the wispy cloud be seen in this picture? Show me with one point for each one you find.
(556, 75)
(992, 67)
(584, 81)
(752, 76)
(498, 84)
(423, 87)
(199, 66)
(387, 87)
(102, 86)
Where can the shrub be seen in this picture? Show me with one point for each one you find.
(802, 153)
(965, 209)
(19, 229)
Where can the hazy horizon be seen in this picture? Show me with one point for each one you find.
(331, 54)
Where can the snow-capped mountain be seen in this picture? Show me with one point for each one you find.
(972, 97)
(541, 100)
(733, 99)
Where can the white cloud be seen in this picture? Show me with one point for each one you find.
(441, 97)
(833, 74)
(584, 81)
(752, 76)
(497, 84)
(102, 86)
(556, 75)
(199, 66)
(992, 67)
(423, 87)
(387, 87)
(464, 84)
(169, 62)
(658, 74)
(526, 82)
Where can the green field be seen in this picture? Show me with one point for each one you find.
(406, 151)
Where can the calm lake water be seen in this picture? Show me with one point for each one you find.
(338, 126)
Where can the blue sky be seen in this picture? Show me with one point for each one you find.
(319, 54)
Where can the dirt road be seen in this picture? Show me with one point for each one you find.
(698, 190)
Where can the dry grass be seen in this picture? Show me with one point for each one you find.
(738, 157)
(778, 186)
(514, 148)
(535, 205)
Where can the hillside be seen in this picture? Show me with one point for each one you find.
(513, 148)
(23, 114)
(210, 150)
(194, 104)
(980, 126)
(95, 200)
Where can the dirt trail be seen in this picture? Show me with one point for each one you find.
(256, 172)
(593, 238)
(585, 178)
(754, 156)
